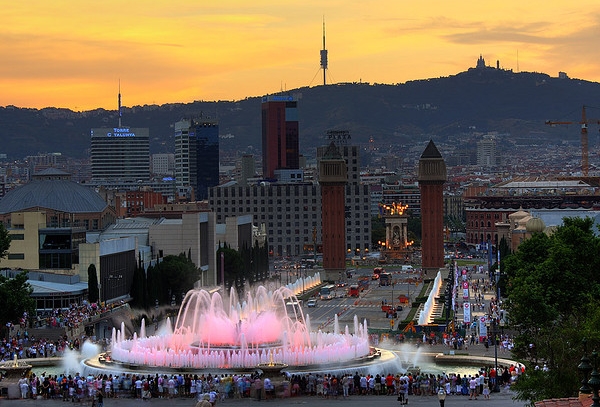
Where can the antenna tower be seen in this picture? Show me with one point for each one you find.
(120, 103)
(324, 56)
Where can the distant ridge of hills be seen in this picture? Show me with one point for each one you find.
(481, 99)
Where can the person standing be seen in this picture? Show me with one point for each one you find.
(24, 387)
(473, 383)
(258, 386)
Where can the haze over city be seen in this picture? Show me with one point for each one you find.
(73, 54)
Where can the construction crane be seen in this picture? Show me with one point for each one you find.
(585, 165)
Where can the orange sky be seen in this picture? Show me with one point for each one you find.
(72, 53)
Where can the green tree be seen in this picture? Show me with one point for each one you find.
(553, 289)
(93, 292)
(178, 274)
(4, 241)
(233, 267)
(15, 298)
(377, 231)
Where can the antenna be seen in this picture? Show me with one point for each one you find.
(324, 56)
(517, 61)
(120, 102)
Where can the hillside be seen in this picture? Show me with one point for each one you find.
(483, 99)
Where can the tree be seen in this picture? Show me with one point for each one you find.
(4, 241)
(377, 231)
(553, 289)
(15, 298)
(93, 292)
(178, 275)
(233, 267)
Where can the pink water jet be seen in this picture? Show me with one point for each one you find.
(267, 327)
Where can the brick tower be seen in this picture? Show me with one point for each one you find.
(333, 176)
(432, 176)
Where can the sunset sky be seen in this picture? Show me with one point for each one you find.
(72, 53)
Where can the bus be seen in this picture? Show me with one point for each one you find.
(327, 292)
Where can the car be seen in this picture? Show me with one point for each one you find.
(311, 303)
(341, 284)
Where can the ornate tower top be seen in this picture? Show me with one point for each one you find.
(432, 167)
(332, 167)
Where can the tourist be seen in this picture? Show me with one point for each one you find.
(258, 387)
(473, 383)
(24, 387)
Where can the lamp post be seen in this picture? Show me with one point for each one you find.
(594, 381)
(496, 388)
(585, 368)
(441, 395)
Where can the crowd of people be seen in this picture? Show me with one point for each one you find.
(22, 344)
(215, 388)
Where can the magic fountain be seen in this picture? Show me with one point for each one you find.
(266, 328)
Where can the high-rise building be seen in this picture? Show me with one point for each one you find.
(432, 176)
(487, 155)
(197, 155)
(163, 164)
(280, 134)
(120, 153)
(247, 169)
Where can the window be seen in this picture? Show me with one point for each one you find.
(17, 236)
(16, 256)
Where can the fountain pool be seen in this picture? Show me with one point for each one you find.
(266, 327)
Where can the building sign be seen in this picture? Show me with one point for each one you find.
(120, 132)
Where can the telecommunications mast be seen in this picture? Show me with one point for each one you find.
(324, 57)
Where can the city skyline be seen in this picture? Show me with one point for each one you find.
(73, 54)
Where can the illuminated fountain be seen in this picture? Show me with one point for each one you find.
(426, 314)
(267, 328)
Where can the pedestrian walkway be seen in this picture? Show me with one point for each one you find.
(502, 399)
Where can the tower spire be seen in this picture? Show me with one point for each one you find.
(119, 102)
(324, 56)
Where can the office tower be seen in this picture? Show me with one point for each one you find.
(247, 169)
(280, 144)
(197, 155)
(163, 164)
(431, 177)
(333, 178)
(487, 155)
(120, 154)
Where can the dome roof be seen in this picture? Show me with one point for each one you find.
(56, 194)
(515, 216)
(535, 225)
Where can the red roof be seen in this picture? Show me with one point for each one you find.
(566, 402)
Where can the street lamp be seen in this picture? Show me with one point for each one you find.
(496, 388)
(594, 381)
(441, 395)
(585, 368)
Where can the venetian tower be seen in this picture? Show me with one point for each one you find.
(333, 176)
(432, 176)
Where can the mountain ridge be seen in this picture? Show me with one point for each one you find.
(479, 99)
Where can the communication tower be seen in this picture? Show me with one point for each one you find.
(324, 57)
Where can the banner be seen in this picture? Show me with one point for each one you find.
(482, 325)
(467, 313)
